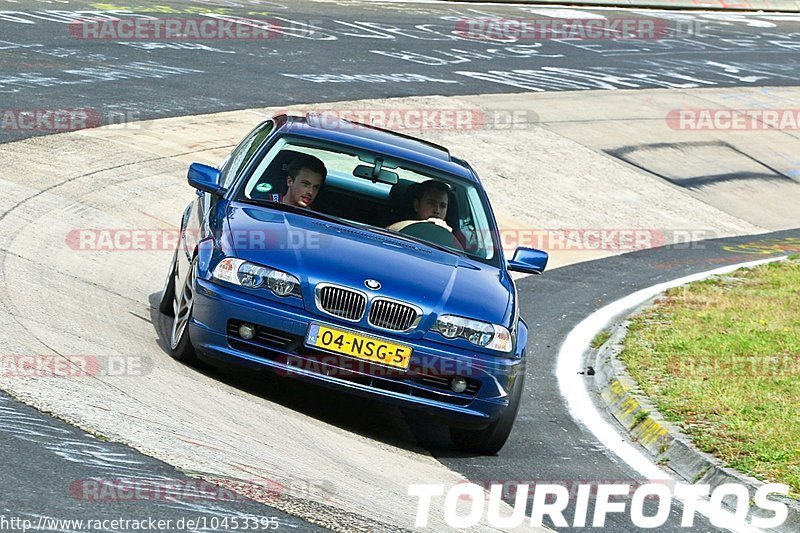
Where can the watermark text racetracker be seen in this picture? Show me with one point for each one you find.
(555, 28)
(62, 120)
(422, 119)
(48, 119)
(467, 504)
(604, 239)
(735, 366)
(696, 119)
(174, 29)
(71, 366)
(145, 240)
(207, 487)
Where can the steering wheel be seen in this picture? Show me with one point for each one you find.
(432, 232)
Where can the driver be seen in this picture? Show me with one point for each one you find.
(430, 204)
(430, 200)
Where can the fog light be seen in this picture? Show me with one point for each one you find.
(247, 331)
(458, 384)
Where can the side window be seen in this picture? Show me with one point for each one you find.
(233, 165)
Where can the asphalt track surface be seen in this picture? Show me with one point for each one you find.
(346, 50)
(43, 67)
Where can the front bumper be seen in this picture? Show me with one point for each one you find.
(280, 347)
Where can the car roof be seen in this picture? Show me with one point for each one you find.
(373, 139)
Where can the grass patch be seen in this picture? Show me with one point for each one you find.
(641, 416)
(601, 338)
(721, 358)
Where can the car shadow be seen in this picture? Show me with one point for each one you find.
(405, 428)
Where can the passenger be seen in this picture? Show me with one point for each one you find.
(306, 176)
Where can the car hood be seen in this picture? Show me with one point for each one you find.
(317, 250)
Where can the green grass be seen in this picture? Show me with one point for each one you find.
(601, 338)
(721, 358)
(641, 416)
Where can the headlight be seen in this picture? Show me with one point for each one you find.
(253, 276)
(281, 283)
(479, 333)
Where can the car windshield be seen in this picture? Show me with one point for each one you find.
(388, 195)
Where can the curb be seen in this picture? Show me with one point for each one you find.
(781, 6)
(664, 441)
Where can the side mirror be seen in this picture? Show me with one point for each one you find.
(205, 178)
(528, 260)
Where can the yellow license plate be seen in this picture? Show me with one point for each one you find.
(358, 346)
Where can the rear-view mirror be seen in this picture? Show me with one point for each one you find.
(370, 173)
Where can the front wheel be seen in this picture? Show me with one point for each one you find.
(489, 440)
(180, 344)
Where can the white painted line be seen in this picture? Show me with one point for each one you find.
(567, 14)
(580, 404)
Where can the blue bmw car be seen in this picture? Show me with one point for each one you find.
(359, 259)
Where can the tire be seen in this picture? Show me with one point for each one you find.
(489, 440)
(181, 348)
(167, 303)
